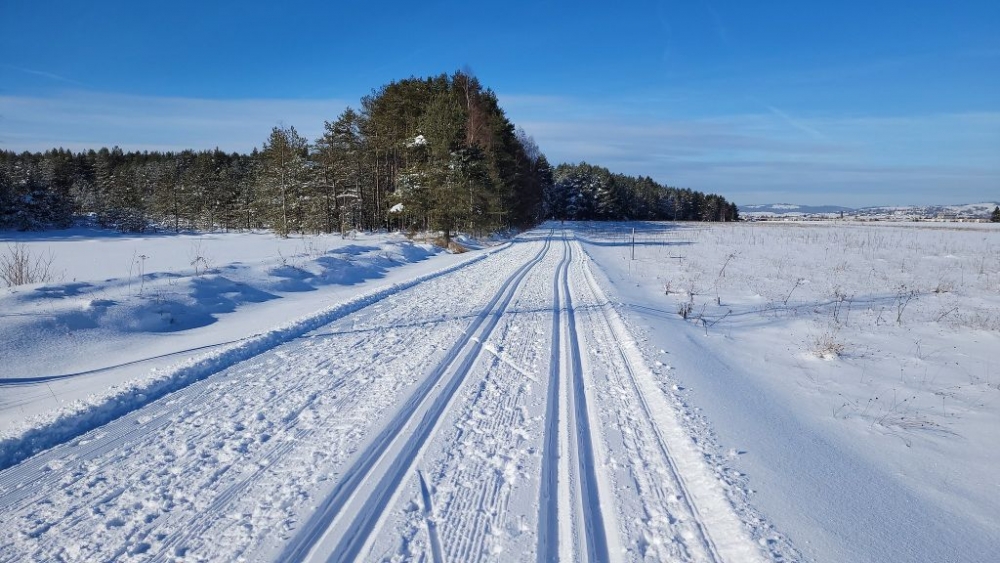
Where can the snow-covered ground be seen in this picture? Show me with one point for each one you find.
(831, 395)
(849, 371)
(119, 307)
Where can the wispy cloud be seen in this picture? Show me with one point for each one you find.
(43, 74)
(773, 156)
(751, 157)
(796, 123)
(79, 120)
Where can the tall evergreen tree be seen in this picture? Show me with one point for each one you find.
(340, 171)
(282, 179)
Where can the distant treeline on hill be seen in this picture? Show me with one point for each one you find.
(586, 192)
(435, 153)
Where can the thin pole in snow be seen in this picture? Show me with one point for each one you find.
(633, 243)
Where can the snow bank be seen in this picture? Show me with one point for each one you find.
(193, 300)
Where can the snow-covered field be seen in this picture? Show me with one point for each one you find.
(831, 395)
(850, 371)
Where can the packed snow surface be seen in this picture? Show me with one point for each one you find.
(685, 393)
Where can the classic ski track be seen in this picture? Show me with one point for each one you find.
(89, 460)
(481, 463)
(591, 488)
(327, 409)
(403, 432)
(651, 487)
(655, 494)
(548, 495)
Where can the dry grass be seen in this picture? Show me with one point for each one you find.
(19, 267)
(451, 246)
(828, 347)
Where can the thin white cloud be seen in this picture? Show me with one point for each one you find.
(797, 124)
(848, 160)
(92, 120)
(43, 74)
(940, 158)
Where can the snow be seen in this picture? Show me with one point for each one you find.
(831, 395)
(979, 212)
(848, 367)
(124, 306)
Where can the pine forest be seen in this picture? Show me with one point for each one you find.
(418, 154)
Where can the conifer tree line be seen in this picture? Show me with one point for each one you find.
(422, 153)
(586, 192)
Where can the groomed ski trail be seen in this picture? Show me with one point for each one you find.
(482, 466)
(501, 411)
(239, 455)
(367, 487)
(532, 465)
(595, 530)
(686, 514)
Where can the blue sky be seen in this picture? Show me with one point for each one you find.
(852, 103)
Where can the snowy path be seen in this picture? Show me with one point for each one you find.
(498, 411)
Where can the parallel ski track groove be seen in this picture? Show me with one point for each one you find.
(548, 496)
(593, 522)
(479, 473)
(604, 305)
(349, 546)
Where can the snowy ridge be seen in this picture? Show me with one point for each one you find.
(905, 212)
(47, 430)
(790, 209)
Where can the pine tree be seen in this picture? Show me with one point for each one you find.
(6, 191)
(995, 217)
(339, 171)
(282, 179)
(443, 124)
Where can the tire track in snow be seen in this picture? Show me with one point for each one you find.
(389, 457)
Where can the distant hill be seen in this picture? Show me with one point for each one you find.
(789, 209)
(905, 212)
